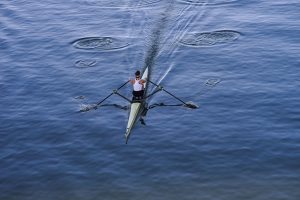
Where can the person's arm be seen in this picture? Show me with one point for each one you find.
(131, 81)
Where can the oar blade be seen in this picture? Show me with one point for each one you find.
(88, 107)
(191, 105)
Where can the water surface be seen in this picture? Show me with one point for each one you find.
(242, 142)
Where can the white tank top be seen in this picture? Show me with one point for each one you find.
(137, 86)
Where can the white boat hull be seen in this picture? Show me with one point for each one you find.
(136, 109)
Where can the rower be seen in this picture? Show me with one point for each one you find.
(138, 86)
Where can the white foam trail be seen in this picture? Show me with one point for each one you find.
(165, 74)
(178, 28)
(182, 29)
(132, 33)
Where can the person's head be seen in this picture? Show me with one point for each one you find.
(137, 74)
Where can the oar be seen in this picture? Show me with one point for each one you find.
(184, 103)
(113, 92)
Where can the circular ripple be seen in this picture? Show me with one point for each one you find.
(85, 63)
(212, 82)
(148, 2)
(100, 43)
(210, 38)
(209, 2)
(122, 3)
(80, 97)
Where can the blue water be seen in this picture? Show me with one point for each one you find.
(57, 57)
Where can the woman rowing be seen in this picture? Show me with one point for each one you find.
(138, 86)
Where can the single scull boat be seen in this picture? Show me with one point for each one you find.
(137, 107)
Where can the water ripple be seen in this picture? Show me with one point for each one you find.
(85, 63)
(100, 43)
(208, 2)
(212, 82)
(210, 38)
(123, 4)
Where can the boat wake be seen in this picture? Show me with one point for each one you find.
(163, 33)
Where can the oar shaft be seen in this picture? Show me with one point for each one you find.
(161, 88)
(174, 97)
(156, 91)
(123, 97)
(105, 99)
(123, 85)
(115, 91)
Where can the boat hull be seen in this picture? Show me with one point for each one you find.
(136, 108)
